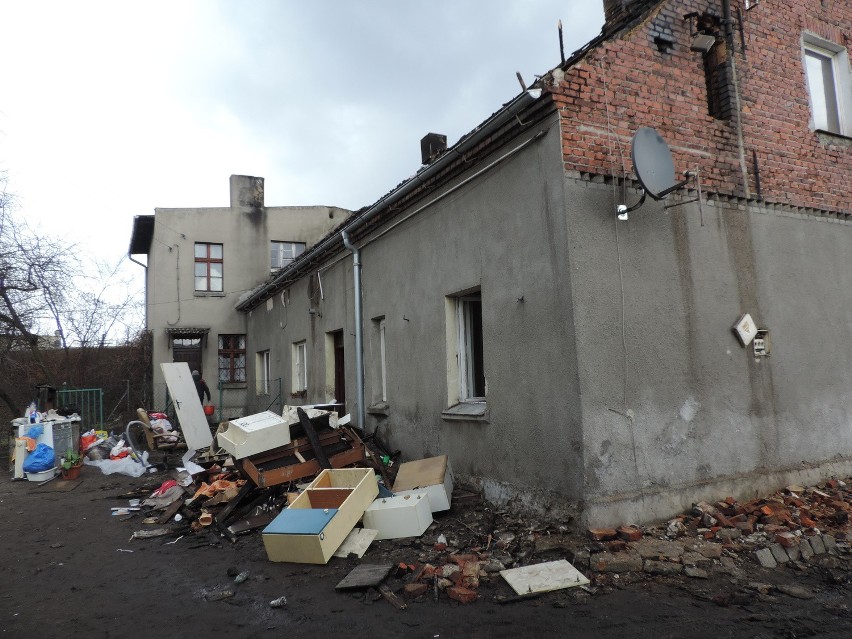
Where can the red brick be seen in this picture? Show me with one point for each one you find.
(603, 534)
(412, 591)
(786, 539)
(630, 533)
(461, 594)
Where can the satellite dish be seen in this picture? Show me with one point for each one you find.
(652, 162)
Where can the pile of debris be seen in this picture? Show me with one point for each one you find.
(792, 526)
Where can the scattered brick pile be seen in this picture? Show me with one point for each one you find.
(457, 575)
(792, 525)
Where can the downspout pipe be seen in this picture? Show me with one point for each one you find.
(145, 266)
(361, 413)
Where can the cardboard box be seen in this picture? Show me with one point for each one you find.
(432, 476)
(401, 516)
(254, 434)
(319, 519)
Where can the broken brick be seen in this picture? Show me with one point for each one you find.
(617, 545)
(412, 591)
(630, 533)
(603, 534)
(461, 594)
(788, 540)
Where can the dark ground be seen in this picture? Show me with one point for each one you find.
(66, 571)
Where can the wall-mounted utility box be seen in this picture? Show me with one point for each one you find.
(318, 520)
(432, 476)
(401, 516)
(254, 434)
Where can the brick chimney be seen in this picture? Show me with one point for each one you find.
(246, 191)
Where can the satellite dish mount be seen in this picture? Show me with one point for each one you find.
(652, 162)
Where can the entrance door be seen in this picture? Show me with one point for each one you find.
(187, 349)
(339, 371)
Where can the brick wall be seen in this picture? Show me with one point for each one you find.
(648, 76)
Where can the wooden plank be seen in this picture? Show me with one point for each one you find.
(365, 576)
(170, 511)
(305, 421)
(229, 508)
(252, 523)
(391, 598)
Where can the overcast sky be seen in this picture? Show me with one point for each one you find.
(110, 109)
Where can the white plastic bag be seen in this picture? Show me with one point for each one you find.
(124, 466)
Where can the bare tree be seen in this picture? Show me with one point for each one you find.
(52, 302)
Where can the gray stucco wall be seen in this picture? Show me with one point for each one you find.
(677, 410)
(617, 386)
(245, 234)
(505, 232)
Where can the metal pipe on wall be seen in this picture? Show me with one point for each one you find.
(361, 414)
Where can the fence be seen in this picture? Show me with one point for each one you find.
(88, 403)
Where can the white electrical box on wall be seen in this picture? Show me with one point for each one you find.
(745, 329)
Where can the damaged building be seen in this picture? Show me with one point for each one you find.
(513, 306)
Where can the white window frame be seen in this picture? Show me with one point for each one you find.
(464, 348)
(841, 77)
(300, 367)
(282, 253)
(262, 371)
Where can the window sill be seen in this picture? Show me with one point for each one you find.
(380, 408)
(831, 137)
(234, 385)
(467, 412)
(209, 294)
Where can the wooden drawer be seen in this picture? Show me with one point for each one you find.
(318, 520)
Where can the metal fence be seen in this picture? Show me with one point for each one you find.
(88, 403)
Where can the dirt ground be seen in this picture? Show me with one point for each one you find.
(70, 568)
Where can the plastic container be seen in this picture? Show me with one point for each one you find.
(42, 476)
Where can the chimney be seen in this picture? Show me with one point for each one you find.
(246, 191)
(431, 146)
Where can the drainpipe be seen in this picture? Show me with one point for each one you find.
(145, 266)
(361, 414)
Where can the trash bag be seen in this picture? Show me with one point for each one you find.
(40, 460)
(35, 431)
(124, 466)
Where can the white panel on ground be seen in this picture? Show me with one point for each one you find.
(193, 422)
(553, 575)
(356, 542)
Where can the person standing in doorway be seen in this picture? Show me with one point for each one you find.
(200, 386)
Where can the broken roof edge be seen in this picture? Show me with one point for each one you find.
(332, 243)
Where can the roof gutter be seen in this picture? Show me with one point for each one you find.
(300, 265)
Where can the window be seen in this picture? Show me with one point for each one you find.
(378, 356)
(282, 253)
(466, 385)
(829, 86)
(232, 358)
(208, 267)
(300, 367)
(471, 370)
(262, 372)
